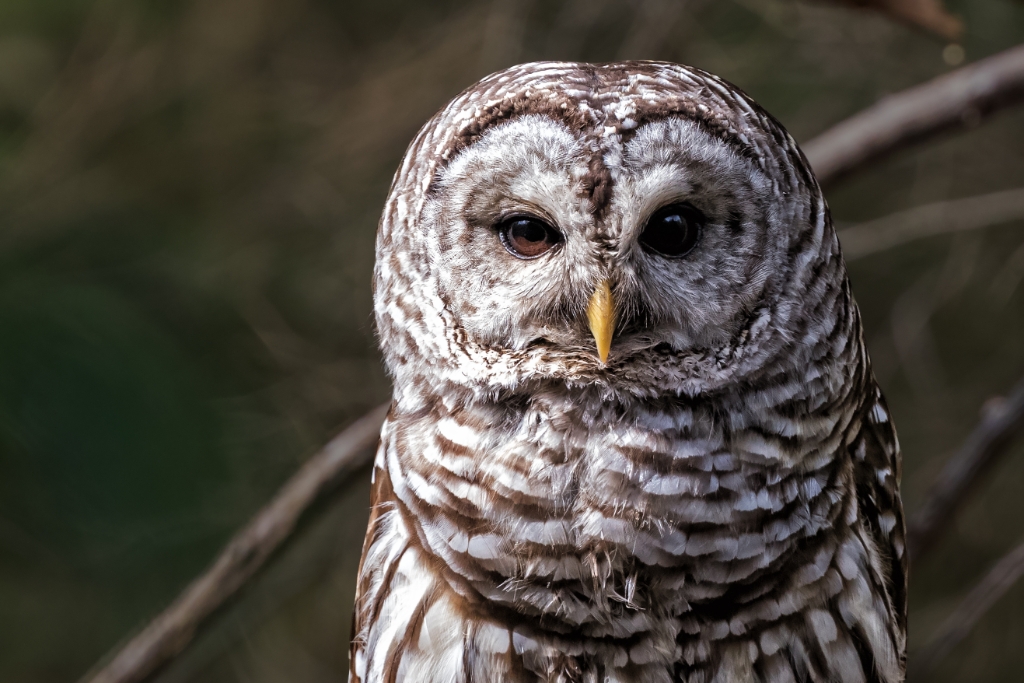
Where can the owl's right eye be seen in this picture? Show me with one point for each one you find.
(527, 237)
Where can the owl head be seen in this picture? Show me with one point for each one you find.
(640, 227)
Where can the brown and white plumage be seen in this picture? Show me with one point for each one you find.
(719, 500)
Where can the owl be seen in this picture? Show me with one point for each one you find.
(635, 436)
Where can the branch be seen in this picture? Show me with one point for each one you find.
(954, 215)
(983, 446)
(245, 554)
(930, 15)
(960, 98)
(1000, 579)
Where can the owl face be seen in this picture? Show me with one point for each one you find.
(640, 225)
(684, 243)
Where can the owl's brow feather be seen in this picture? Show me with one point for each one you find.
(583, 110)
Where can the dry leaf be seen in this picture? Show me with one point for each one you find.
(927, 14)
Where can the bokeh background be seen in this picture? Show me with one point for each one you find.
(188, 197)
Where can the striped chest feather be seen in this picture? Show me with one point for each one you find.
(645, 542)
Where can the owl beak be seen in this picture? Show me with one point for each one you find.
(601, 316)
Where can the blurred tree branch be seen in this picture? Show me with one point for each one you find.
(1001, 422)
(957, 99)
(170, 632)
(1006, 572)
(930, 15)
(954, 215)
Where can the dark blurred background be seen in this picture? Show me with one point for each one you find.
(188, 198)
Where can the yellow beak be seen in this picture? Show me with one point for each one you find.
(601, 316)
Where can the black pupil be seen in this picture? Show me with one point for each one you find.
(528, 231)
(672, 231)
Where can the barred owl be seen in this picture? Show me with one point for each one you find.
(635, 435)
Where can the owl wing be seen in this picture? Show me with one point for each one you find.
(369, 587)
(878, 467)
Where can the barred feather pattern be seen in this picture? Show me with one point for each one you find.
(720, 502)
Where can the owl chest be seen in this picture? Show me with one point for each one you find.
(613, 514)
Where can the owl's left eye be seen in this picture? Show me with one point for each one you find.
(527, 237)
(673, 230)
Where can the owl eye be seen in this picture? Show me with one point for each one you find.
(527, 237)
(672, 231)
